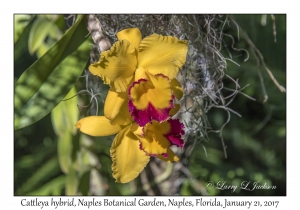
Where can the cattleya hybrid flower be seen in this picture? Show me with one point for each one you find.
(140, 102)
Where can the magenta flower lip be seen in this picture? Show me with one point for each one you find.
(142, 117)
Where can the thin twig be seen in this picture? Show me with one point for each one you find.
(249, 41)
(261, 79)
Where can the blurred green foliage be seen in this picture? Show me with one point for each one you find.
(256, 142)
(45, 83)
(52, 158)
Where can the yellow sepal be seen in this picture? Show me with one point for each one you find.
(97, 126)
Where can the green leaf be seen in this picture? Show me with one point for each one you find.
(52, 187)
(43, 48)
(21, 43)
(46, 171)
(20, 23)
(38, 33)
(65, 115)
(88, 158)
(71, 182)
(64, 151)
(54, 32)
(42, 86)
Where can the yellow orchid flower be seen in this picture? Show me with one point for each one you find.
(132, 61)
(140, 102)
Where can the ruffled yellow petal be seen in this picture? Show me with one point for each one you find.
(133, 35)
(154, 141)
(157, 91)
(162, 54)
(171, 157)
(128, 159)
(97, 126)
(117, 65)
(176, 88)
(116, 108)
(174, 110)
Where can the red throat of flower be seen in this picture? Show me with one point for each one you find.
(150, 99)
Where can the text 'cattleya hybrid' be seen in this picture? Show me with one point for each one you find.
(140, 102)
